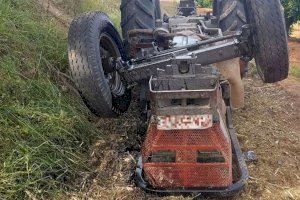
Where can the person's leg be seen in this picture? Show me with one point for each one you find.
(230, 69)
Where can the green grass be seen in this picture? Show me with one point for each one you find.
(44, 132)
(295, 70)
(76, 7)
(205, 3)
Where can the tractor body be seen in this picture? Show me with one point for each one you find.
(187, 144)
(188, 67)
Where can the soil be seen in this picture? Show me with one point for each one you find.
(269, 125)
(292, 84)
(294, 45)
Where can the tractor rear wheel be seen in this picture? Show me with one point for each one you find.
(93, 43)
(231, 14)
(138, 14)
(269, 39)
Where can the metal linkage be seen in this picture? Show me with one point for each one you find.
(204, 56)
(205, 52)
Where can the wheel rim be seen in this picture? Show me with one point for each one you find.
(108, 52)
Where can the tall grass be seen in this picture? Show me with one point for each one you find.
(44, 134)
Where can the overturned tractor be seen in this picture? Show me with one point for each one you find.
(189, 68)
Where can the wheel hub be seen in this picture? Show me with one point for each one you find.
(109, 52)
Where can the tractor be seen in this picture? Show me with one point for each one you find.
(189, 69)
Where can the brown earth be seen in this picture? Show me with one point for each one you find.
(292, 83)
(269, 125)
(294, 45)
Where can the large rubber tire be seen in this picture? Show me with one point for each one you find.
(231, 14)
(89, 36)
(269, 39)
(157, 10)
(216, 5)
(138, 14)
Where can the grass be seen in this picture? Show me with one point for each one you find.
(295, 70)
(170, 7)
(44, 131)
(76, 7)
(296, 30)
(294, 66)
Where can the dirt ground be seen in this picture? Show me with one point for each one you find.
(269, 125)
(292, 84)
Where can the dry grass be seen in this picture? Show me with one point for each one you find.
(169, 7)
(296, 31)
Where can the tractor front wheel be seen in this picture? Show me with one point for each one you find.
(93, 44)
(269, 39)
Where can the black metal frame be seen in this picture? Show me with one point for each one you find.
(212, 192)
(205, 52)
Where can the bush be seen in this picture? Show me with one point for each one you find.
(205, 3)
(292, 12)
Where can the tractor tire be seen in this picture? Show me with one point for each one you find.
(231, 14)
(269, 39)
(92, 41)
(157, 10)
(138, 14)
(232, 17)
(216, 5)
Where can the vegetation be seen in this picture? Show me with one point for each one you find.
(292, 12)
(295, 70)
(76, 7)
(205, 3)
(44, 134)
